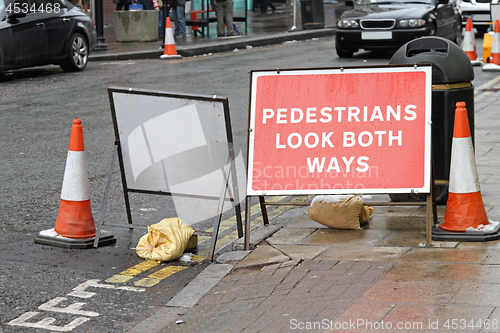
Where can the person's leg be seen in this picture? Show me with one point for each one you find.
(176, 21)
(219, 12)
(229, 17)
(263, 6)
(181, 19)
(161, 30)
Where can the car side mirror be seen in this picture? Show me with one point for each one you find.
(349, 3)
(13, 15)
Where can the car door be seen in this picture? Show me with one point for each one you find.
(58, 26)
(25, 31)
(445, 16)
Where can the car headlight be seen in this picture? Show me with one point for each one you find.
(348, 24)
(411, 23)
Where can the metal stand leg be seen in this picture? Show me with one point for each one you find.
(106, 196)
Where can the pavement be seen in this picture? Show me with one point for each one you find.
(302, 276)
(261, 30)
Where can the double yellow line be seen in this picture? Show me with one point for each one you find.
(204, 242)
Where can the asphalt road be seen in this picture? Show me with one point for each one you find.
(37, 107)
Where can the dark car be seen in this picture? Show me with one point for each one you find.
(43, 32)
(387, 25)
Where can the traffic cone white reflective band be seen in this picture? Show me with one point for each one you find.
(75, 182)
(469, 43)
(465, 208)
(463, 171)
(169, 48)
(75, 219)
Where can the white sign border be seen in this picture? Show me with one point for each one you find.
(426, 68)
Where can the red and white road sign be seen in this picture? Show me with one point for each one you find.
(339, 131)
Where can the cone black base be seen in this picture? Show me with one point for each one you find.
(50, 237)
(465, 236)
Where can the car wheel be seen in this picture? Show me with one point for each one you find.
(344, 53)
(458, 34)
(78, 54)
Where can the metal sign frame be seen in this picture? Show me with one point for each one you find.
(228, 171)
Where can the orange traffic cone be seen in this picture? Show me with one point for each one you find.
(169, 49)
(494, 59)
(75, 228)
(465, 208)
(469, 43)
(75, 218)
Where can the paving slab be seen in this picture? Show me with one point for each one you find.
(263, 255)
(301, 251)
(290, 236)
(336, 236)
(445, 255)
(378, 253)
(232, 257)
(256, 237)
(412, 238)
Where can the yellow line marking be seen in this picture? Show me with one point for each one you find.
(489, 83)
(140, 267)
(228, 223)
(231, 237)
(486, 85)
(146, 282)
(161, 274)
(198, 258)
(129, 274)
(166, 272)
(118, 278)
(156, 277)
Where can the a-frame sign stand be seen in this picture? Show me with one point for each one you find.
(122, 107)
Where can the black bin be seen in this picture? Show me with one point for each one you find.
(452, 74)
(313, 14)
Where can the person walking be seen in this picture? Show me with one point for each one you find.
(224, 12)
(179, 18)
(263, 6)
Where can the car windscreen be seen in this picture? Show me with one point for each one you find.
(2, 5)
(389, 2)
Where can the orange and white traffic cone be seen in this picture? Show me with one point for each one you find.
(169, 49)
(465, 217)
(75, 226)
(494, 59)
(75, 218)
(469, 43)
(465, 208)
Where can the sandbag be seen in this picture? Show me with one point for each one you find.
(166, 240)
(348, 213)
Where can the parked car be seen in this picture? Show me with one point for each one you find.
(389, 24)
(479, 10)
(43, 32)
